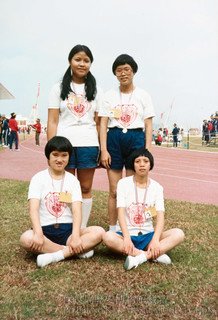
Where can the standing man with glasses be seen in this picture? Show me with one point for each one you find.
(126, 125)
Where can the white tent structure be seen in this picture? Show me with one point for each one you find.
(4, 93)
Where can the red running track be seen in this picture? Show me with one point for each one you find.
(185, 175)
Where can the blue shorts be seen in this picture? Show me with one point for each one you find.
(120, 145)
(140, 242)
(84, 158)
(58, 233)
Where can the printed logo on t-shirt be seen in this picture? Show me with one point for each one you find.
(53, 205)
(138, 214)
(78, 104)
(128, 114)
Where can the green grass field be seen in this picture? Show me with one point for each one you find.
(100, 288)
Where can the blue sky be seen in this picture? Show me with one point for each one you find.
(175, 43)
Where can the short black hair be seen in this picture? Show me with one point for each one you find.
(142, 152)
(58, 143)
(124, 59)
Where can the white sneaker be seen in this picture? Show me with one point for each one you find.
(133, 262)
(130, 263)
(164, 258)
(44, 259)
(17, 150)
(86, 255)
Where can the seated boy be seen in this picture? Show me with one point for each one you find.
(139, 199)
(55, 208)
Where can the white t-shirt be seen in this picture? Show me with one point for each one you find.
(137, 218)
(76, 118)
(47, 190)
(131, 109)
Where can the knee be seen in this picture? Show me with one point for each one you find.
(98, 232)
(26, 239)
(108, 238)
(179, 234)
(113, 194)
(85, 190)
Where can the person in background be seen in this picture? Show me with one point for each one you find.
(56, 212)
(1, 125)
(5, 131)
(205, 132)
(159, 137)
(175, 133)
(73, 113)
(126, 125)
(140, 202)
(38, 128)
(13, 126)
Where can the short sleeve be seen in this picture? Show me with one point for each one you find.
(148, 106)
(76, 191)
(99, 99)
(34, 191)
(159, 199)
(54, 97)
(121, 199)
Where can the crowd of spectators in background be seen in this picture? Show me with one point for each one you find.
(210, 128)
(164, 135)
(10, 130)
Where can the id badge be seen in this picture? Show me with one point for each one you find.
(65, 197)
(115, 113)
(152, 211)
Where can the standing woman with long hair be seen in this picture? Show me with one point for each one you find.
(126, 125)
(73, 113)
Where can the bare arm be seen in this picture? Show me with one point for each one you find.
(154, 245)
(53, 119)
(97, 121)
(76, 242)
(37, 229)
(105, 156)
(128, 247)
(148, 132)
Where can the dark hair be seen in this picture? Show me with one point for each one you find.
(124, 59)
(90, 82)
(142, 152)
(58, 143)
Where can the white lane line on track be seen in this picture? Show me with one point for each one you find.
(212, 174)
(32, 150)
(185, 178)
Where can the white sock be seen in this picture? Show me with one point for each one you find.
(113, 228)
(86, 211)
(47, 258)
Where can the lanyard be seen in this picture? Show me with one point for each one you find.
(143, 202)
(57, 203)
(62, 181)
(136, 193)
(127, 103)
